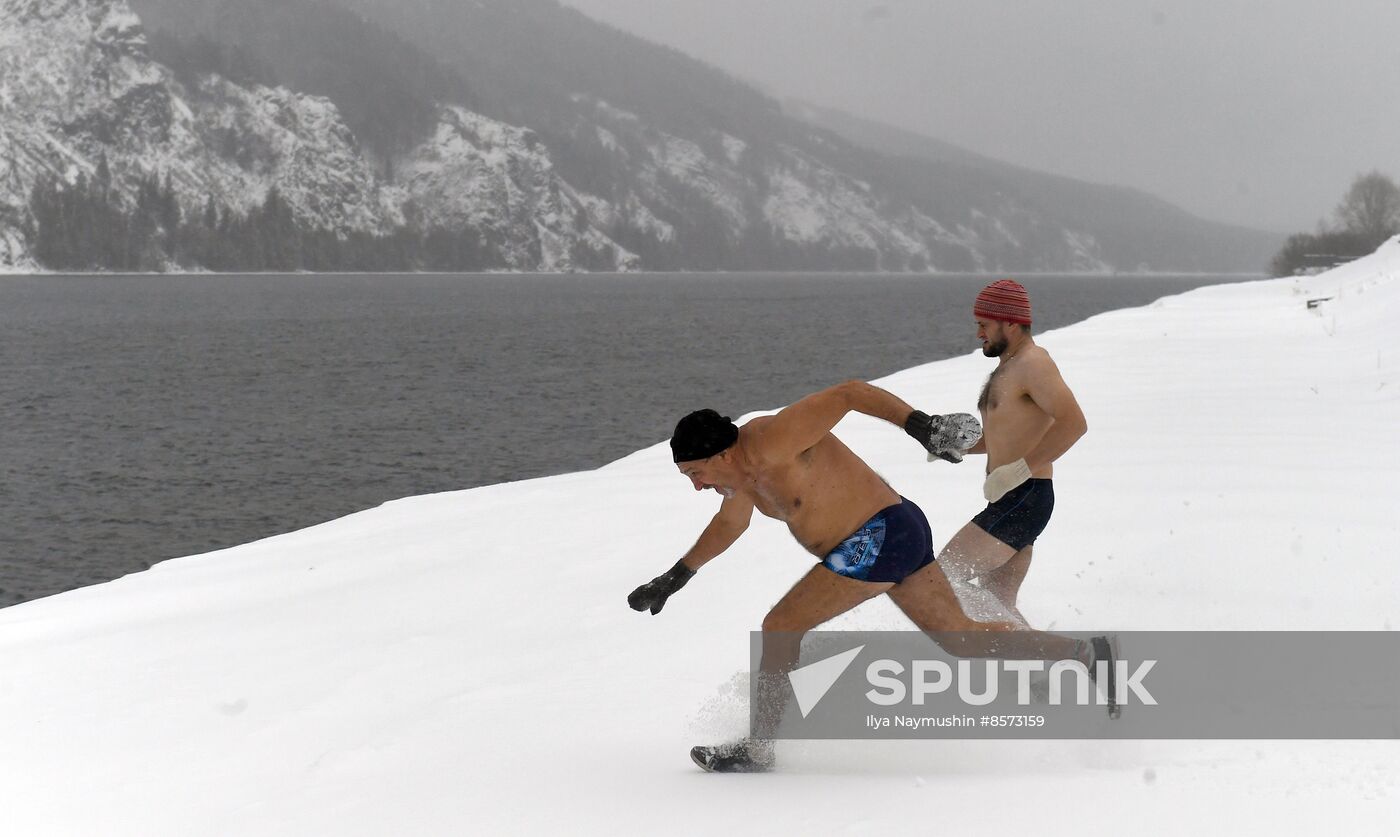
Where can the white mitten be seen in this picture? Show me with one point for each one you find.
(1005, 478)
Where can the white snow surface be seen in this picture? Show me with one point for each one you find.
(465, 663)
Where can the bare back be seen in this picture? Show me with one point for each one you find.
(824, 493)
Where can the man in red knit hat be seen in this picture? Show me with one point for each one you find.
(1029, 419)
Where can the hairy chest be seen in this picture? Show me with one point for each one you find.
(995, 390)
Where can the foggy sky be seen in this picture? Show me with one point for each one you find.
(1256, 112)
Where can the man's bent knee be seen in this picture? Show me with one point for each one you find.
(971, 553)
(777, 622)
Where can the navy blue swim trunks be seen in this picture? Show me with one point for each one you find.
(894, 543)
(1018, 518)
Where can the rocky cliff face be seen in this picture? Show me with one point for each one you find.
(477, 173)
(78, 88)
(81, 100)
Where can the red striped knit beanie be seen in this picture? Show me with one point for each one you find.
(1003, 300)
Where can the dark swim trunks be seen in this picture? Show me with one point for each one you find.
(894, 543)
(1018, 518)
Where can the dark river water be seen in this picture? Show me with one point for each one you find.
(148, 417)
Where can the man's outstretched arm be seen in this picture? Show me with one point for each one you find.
(720, 533)
(804, 424)
(731, 521)
(944, 437)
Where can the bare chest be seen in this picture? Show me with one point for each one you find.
(822, 495)
(782, 492)
(1000, 388)
(1005, 400)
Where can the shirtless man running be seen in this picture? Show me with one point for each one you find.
(1030, 418)
(870, 540)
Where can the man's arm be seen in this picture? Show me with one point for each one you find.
(731, 521)
(1050, 393)
(803, 424)
(722, 531)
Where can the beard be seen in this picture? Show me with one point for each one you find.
(994, 348)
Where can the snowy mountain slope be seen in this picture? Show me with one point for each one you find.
(688, 167)
(478, 173)
(527, 58)
(78, 88)
(799, 199)
(1128, 227)
(633, 156)
(442, 664)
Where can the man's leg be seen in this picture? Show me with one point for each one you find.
(927, 598)
(819, 596)
(972, 553)
(1004, 582)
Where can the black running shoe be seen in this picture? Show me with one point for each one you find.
(1106, 650)
(747, 755)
